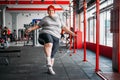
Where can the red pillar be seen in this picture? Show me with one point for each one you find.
(74, 21)
(97, 34)
(85, 6)
(70, 28)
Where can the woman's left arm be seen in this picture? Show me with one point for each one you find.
(67, 30)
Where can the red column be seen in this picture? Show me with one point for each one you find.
(70, 28)
(74, 21)
(97, 33)
(85, 6)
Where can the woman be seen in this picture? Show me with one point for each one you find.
(50, 34)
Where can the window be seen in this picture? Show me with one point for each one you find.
(91, 30)
(105, 34)
(108, 35)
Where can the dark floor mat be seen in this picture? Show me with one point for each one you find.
(10, 49)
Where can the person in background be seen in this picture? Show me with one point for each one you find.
(4, 33)
(62, 35)
(8, 34)
(0, 31)
(5, 37)
(49, 35)
(14, 36)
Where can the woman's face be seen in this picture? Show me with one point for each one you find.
(51, 12)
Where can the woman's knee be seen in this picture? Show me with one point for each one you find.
(48, 45)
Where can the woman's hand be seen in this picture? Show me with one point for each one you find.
(28, 30)
(32, 28)
(74, 34)
(67, 30)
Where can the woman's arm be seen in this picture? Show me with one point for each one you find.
(67, 30)
(32, 28)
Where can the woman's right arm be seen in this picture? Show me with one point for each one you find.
(32, 28)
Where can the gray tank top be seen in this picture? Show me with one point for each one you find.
(51, 25)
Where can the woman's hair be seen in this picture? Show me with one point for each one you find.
(51, 6)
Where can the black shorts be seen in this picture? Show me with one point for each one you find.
(47, 38)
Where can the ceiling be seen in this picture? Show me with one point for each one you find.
(31, 5)
(39, 5)
(34, 2)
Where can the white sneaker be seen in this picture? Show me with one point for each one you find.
(51, 71)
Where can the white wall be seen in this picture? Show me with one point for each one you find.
(8, 20)
(26, 18)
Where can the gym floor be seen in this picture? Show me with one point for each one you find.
(30, 65)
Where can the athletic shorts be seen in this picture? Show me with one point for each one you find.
(47, 38)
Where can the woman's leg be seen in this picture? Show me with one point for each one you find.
(52, 61)
(54, 49)
(48, 49)
(47, 41)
